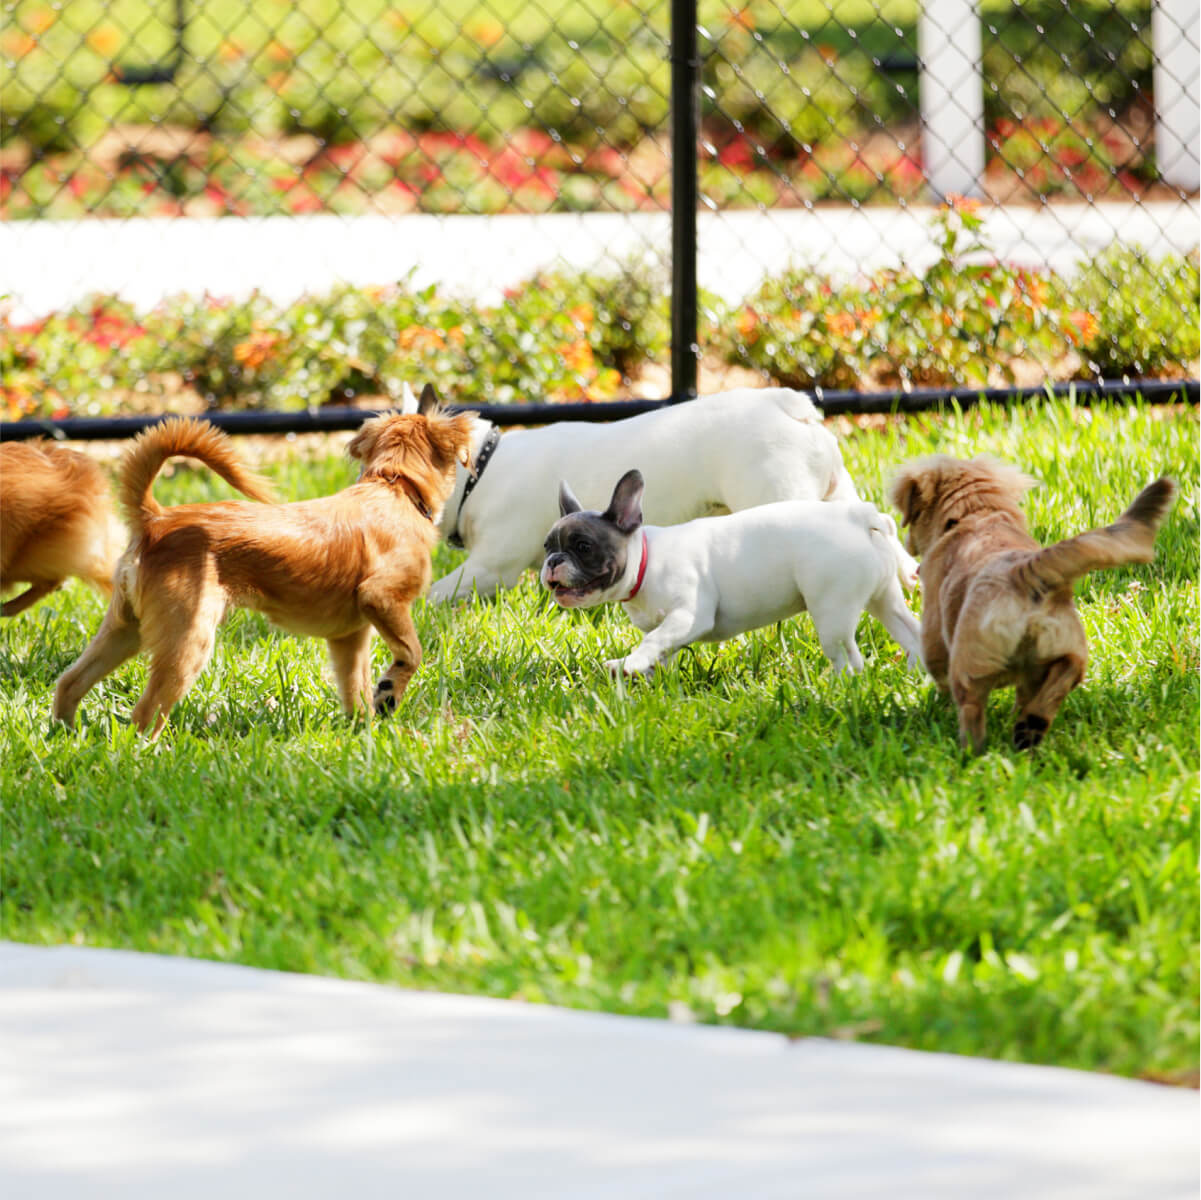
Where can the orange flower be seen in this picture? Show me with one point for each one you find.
(576, 356)
(485, 32)
(747, 323)
(583, 316)
(104, 40)
(741, 18)
(962, 204)
(278, 52)
(1034, 288)
(1083, 327)
(17, 44)
(420, 338)
(230, 51)
(40, 20)
(841, 324)
(257, 349)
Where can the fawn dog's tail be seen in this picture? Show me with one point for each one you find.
(187, 437)
(1131, 538)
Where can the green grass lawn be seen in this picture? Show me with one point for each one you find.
(745, 839)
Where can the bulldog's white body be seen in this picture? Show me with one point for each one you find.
(721, 453)
(717, 577)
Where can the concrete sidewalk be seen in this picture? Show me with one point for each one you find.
(135, 1076)
(47, 265)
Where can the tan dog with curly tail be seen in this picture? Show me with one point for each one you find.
(331, 568)
(997, 607)
(56, 521)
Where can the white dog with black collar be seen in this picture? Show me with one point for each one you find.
(721, 453)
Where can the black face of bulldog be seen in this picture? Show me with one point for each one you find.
(587, 552)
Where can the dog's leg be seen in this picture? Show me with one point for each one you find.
(32, 595)
(395, 625)
(971, 699)
(1037, 711)
(180, 644)
(352, 669)
(473, 576)
(893, 613)
(679, 628)
(835, 617)
(117, 640)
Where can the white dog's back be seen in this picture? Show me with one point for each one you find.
(721, 453)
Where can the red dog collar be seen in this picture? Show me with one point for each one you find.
(641, 572)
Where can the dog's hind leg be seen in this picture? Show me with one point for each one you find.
(18, 604)
(890, 609)
(395, 625)
(474, 577)
(180, 645)
(835, 620)
(118, 639)
(971, 699)
(1036, 711)
(351, 661)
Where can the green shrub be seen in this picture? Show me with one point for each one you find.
(1144, 313)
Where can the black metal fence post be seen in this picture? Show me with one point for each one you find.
(685, 81)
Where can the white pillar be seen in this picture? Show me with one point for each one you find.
(952, 93)
(1175, 42)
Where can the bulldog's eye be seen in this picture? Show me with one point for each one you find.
(583, 546)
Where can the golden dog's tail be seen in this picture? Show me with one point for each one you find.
(1131, 538)
(187, 437)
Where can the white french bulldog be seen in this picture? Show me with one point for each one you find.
(720, 453)
(716, 577)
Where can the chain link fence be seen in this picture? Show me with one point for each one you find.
(307, 202)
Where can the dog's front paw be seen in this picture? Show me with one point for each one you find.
(1029, 731)
(630, 668)
(384, 699)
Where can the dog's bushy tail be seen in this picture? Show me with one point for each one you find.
(187, 437)
(1131, 538)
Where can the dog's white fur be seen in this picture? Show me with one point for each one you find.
(721, 453)
(716, 577)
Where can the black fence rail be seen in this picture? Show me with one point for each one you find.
(567, 202)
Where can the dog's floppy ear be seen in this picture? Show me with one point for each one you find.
(408, 402)
(625, 509)
(906, 495)
(429, 402)
(364, 441)
(568, 504)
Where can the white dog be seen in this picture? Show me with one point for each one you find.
(720, 453)
(716, 577)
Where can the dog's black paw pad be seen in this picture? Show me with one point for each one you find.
(384, 701)
(1029, 731)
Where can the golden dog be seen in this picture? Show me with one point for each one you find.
(331, 568)
(56, 521)
(997, 607)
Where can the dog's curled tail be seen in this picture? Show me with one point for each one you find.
(1131, 538)
(895, 554)
(181, 436)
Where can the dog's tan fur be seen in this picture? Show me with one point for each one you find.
(997, 607)
(330, 568)
(56, 521)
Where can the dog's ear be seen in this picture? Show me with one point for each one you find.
(408, 401)
(450, 432)
(429, 402)
(364, 441)
(625, 509)
(906, 495)
(568, 504)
